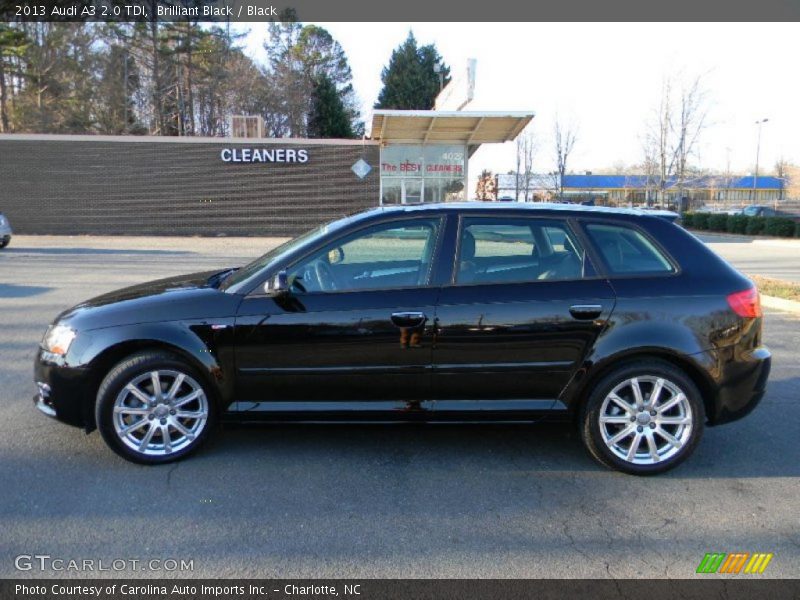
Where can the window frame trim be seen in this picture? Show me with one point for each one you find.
(438, 218)
(607, 272)
(566, 220)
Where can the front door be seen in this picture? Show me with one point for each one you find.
(522, 312)
(356, 327)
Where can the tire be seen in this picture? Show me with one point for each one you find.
(154, 428)
(674, 424)
(4, 243)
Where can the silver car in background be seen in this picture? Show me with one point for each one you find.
(5, 231)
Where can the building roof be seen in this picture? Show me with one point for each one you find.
(472, 128)
(589, 182)
(183, 139)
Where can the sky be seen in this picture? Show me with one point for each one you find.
(605, 79)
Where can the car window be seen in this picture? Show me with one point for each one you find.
(512, 250)
(627, 251)
(502, 240)
(390, 255)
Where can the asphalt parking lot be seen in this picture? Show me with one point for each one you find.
(777, 258)
(369, 501)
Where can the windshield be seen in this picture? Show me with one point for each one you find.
(266, 259)
(751, 211)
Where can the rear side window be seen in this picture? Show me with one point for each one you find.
(500, 250)
(627, 251)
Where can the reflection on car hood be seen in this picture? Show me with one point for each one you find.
(182, 297)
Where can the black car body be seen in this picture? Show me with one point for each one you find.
(484, 312)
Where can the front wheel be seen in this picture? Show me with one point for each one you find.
(644, 418)
(153, 408)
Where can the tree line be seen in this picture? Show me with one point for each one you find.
(672, 134)
(187, 78)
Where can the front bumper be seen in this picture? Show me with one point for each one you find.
(62, 390)
(42, 400)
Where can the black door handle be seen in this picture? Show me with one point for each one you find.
(409, 319)
(585, 311)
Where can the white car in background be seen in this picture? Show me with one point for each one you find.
(5, 231)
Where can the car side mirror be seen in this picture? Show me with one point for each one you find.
(278, 285)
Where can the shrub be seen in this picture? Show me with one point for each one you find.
(701, 220)
(780, 226)
(687, 219)
(718, 222)
(737, 223)
(755, 225)
(797, 229)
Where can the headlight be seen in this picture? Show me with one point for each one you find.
(58, 339)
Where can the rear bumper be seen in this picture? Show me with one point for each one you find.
(742, 382)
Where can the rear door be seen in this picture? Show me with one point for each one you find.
(523, 308)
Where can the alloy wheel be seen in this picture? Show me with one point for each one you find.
(646, 420)
(160, 412)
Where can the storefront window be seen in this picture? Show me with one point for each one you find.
(422, 173)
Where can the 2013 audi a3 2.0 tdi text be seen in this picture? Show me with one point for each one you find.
(619, 320)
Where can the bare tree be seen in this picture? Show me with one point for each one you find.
(689, 124)
(789, 175)
(650, 168)
(565, 136)
(674, 132)
(728, 176)
(527, 145)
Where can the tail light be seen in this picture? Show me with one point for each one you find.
(746, 303)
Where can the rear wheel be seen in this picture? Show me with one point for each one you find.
(644, 418)
(154, 408)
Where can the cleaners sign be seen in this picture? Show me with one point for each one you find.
(264, 155)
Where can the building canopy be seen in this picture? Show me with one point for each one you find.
(470, 128)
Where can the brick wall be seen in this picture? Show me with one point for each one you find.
(112, 186)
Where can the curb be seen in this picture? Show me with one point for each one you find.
(781, 304)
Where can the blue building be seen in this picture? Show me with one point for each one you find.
(640, 189)
(643, 190)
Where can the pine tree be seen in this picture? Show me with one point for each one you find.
(12, 45)
(297, 55)
(328, 118)
(410, 81)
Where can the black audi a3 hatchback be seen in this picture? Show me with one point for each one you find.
(618, 320)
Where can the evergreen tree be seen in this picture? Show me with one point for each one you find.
(115, 108)
(297, 56)
(328, 118)
(410, 81)
(12, 46)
